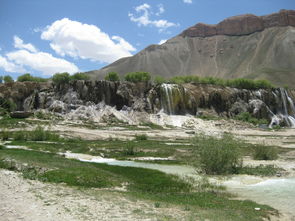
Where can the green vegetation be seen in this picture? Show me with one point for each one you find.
(7, 79)
(246, 117)
(112, 76)
(159, 80)
(6, 105)
(142, 183)
(265, 153)
(79, 76)
(261, 170)
(28, 77)
(61, 78)
(141, 137)
(218, 156)
(236, 83)
(136, 77)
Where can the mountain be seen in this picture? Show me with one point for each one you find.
(244, 46)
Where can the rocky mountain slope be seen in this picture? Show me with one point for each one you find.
(245, 46)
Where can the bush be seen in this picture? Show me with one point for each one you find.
(141, 137)
(249, 84)
(8, 79)
(28, 77)
(79, 76)
(247, 117)
(7, 105)
(212, 80)
(218, 156)
(5, 135)
(61, 78)
(137, 77)
(39, 134)
(184, 79)
(112, 76)
(159, 80)
(265, 153)
(129, 149)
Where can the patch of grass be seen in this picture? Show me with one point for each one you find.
(261, 170)
(218, 156)
(39, 134)
(265, 153)
(141, 137)
(4, 135)
(246, 117)
(152, 126)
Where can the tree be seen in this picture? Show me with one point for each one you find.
(79, 76)
(112, 76)
(7, 79)
(138, 77)
(25, 77)
(1, 79)
(61, 78)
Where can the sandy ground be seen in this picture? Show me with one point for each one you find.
(22, 199)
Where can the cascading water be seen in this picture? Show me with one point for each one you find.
(173, 99)
(285, 108)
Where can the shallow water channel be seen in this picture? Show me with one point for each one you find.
(276, 192)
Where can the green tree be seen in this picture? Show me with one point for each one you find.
(25, 77)
(61, 78)
(112, 76)
(79, 76)
(138, 77)
(8, 79)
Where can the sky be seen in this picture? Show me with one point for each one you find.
(43, 37)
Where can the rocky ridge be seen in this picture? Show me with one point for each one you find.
(242, 25)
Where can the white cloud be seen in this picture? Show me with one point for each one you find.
(10, 66)
(28, 57)
(188, 1)
(85, 41)
(18, 43)
(161, 10)
(162, 41)
(145, 20)
(41, 61)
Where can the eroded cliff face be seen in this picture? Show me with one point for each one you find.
(276, 105)
(242, 25)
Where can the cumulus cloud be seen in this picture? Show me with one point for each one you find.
(10, 66)
(85, 41)
(145, 18)
(161, 10)
(29, 57)
(41, 61)
(162, 41)
(19, 43)
(188, 1)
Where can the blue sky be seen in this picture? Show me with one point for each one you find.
(43, 37)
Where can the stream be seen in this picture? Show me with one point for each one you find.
(276, 192)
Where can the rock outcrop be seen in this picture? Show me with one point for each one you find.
(242, 25)
(101, 100)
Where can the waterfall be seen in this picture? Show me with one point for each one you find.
(286, 108)
(173, 99)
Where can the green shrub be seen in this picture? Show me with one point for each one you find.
(249, 84)
(265, 153)
(247, 117)
(261, 170)
(218, 156)
(159, 80)
(129, 149)
(141, 137)
(5, 135)
(61, 78)
(7, 105)
(112, 76)
(184, 79)
(212, 80)
(137, 77)
(8, 79)
(20, 135)
(79, 76)
(28, 77)
(39, 134)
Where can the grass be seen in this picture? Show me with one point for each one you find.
(143, 183)
(265, 153)
(261, 170)
(246, 117)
